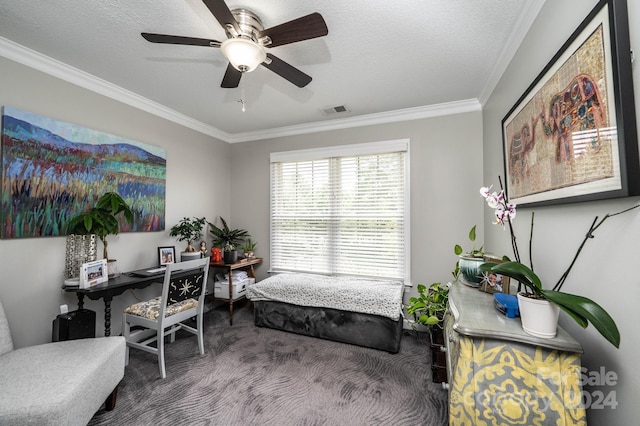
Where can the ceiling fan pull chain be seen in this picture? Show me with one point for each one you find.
(242, 96)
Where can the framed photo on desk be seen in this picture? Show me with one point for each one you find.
(166, 255)
(92, 273)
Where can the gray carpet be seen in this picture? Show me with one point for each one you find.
(258, 376)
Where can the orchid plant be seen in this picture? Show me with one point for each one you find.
(581, 309)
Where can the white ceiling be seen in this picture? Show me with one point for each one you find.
(381, 59)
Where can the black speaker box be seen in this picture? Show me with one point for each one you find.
(73, 325)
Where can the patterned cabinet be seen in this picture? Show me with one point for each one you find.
(499, 375)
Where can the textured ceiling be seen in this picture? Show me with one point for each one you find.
(379, 56)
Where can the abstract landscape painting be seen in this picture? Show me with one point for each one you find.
(52, 170)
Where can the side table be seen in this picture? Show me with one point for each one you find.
(228, 268)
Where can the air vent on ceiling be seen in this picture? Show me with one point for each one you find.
(334, 110)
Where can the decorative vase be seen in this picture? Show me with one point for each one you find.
(470, 270)
(80, 249)
(539, 316)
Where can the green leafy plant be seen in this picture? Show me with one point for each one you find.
(248, 245)
(225, 237)
(102, 219)
(429, 307)
(474, 252)
(581, 309)
(188, 229)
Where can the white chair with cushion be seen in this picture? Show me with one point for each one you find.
(60, 383)
(182, 298)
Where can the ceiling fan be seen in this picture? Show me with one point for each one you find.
(247, 40)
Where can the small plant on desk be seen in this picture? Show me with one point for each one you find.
(188, 230)
(102, 219)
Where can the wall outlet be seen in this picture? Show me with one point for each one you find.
(64, 309)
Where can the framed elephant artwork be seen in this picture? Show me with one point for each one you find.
(572, 135)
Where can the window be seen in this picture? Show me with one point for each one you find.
(341, 210)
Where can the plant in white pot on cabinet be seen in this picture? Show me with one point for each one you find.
(581, 309)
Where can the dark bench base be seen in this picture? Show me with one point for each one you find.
(371, 331)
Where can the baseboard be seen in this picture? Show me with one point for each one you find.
(406, 325)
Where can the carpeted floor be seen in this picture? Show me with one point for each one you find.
(257, 376)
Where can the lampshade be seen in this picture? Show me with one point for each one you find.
(245, 55)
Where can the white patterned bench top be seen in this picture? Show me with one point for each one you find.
(366, 296)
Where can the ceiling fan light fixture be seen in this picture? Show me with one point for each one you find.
(245, 55)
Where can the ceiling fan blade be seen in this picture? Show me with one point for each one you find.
(172, 39)
(305, 28)
(221, 12)
(231, 78)
(286, 71)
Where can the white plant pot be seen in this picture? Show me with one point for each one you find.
(539, 316)
(185, 256)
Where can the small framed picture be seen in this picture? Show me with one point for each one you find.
(166, 255)
(492, 282)
(92, 273)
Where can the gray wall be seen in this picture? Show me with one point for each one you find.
(32, 269)
(446, 171)
(605, 270)
(207, 177)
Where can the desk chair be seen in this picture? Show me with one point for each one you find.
(182, 298)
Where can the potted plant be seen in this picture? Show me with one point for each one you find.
(227, 239)
(248, 247)
(189, 230)
(102, 221)
(229, 254)
(428, 309)
(581, 309)
(469, 262)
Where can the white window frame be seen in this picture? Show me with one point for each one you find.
(356, 150)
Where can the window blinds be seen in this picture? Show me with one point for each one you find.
(340, 215)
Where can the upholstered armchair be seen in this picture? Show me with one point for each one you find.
(61, 383)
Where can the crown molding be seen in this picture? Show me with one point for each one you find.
(407, 114)
(521, 28)
(53, 67)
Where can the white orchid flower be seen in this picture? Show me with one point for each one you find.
(484, 191)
